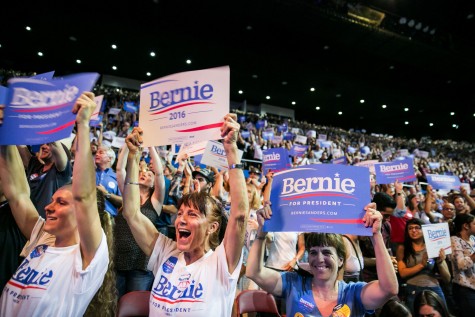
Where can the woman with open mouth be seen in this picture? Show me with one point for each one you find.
(197, 274)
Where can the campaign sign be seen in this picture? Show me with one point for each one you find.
(386, 155)
(95, 122)
(320, 198)
(275, 159)
(436, 237)
(245, 134)
(40, 111)
(369, 164)
(98, 100)
(44, 76)
(114, 111)
(261, 124)
(215, 156)
(191, 148)
(322, 137)
(399, 170)
(311, 133)
(130, 106)
(325, 144)
(301, 139)
(298, 150)
(434, 165)
(288, 136)
(443, 181)
(282, 128)
(268, 134)
(402, 152)
(118, 142)
(341, 160)
(188, 106)
(241, 119)
(277, 139)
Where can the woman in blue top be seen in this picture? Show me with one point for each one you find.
(320, 293)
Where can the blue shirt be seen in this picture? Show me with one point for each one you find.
(301, 303)
(108, 179)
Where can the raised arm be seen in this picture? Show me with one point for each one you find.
(120, 167)
(236, 228)
(84, 184)
(144, 232)
(159, 190)
(468, 198)
(428, 204)
(16, 189)
(267, 279)
(59, 155)
(376, 293)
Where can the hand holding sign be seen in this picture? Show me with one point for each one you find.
(230, 129)
(134, 140)
(84, 107)
(373, 218)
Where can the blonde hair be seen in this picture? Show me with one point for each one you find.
(255, 201)
(104, 303)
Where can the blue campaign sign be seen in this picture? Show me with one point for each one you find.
(40, 111)
(241, 119)
(267, 135)
(341, 160)
(443, 181)
(197, 159)
(288, 136)
(245, 134)
(320, 198)
(44, 76)
(298, 150)
(282, 128)
(275, 159)
(261, 124)
(400, 170)
(130, 106)
(96, 122)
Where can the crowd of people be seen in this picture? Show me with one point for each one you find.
(87, 220)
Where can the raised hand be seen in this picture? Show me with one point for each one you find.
(84, 107)
(230, 129)
(134, 140)
(373, 218)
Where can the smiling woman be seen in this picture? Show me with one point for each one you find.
(67, 255)
(197, 274)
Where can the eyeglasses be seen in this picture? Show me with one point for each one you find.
(410, 228)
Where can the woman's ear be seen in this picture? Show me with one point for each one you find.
(213, 227)
(340, 262)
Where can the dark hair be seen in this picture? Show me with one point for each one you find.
(394, 308)
(212, 208)
(432, 299)
(460, 220)
(383, 201)
(408, 248)
(411, 205)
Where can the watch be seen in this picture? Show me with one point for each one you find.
(239, 165)
(108, 195)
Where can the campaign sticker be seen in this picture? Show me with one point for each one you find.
(169, 264)
(38, 251)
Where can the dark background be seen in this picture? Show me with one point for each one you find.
(274, 48)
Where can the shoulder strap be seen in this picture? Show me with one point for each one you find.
(356, 252)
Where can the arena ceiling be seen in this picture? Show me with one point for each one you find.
(401, 54)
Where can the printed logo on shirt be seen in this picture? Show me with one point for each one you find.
(111, 184)
(169, 264)
(37, 177)
(38, 251)
(164, 291)
(306, 305)
(27, 277)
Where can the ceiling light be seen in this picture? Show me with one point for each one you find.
(152, 54)
(267, 97)
(326, 47)
(149, 74)
(362, 101)
(248, 27)
(432, 32)
(402, 20)
(254, 76)
(40, 53)
(114, 67)
(431, 124)
(411, 23)
(454, 125)
(338, 95)
(114, 46)
(240, 92)
(188, 61)
(312, 89)
(340, 113)
(78, 61)
(406, 109)
(426, 29)
(452, 113)
(419, 26)
(28, 28)
(406, 122)
(383, 106)
(284, 83)
(470, 16)
(318, 108)
(72, 38)
(293, 102)
(117, 90)
(391, 67)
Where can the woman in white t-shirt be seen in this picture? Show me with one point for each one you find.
(69, 256)
(196, 275)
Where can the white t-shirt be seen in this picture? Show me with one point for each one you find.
(51, 281)
(282, 250)
(204, 288)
